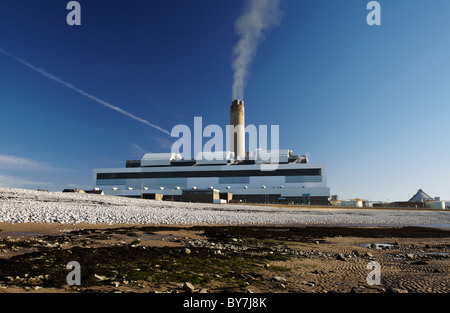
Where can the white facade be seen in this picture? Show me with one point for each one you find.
(285, 180)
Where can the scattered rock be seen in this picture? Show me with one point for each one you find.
(279, 279)
(188, 287)
(341, 257)
(359, 289)
(99, 277)
(247, 277)
(115, 284)
(420, 263)
(396, 290)
(309, 283)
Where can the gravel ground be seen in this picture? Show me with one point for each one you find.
(21, 206)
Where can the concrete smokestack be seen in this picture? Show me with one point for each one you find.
(237, 122)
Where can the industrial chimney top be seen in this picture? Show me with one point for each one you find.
(237, 102)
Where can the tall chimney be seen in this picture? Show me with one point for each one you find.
(237, 136)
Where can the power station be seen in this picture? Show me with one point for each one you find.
(237, 175)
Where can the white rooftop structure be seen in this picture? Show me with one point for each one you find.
(158, 159)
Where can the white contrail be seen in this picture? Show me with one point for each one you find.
(258, 16)
(82, 92)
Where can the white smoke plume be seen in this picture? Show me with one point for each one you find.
(84, 93)
(258, 16)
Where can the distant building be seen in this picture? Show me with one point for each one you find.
(76, 190)
(421, 196)
(420, 200)
(71, 190)
(97, 191)
(200, 195)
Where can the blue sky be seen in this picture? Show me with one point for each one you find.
(372, 102)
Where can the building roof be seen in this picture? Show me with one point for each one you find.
(420, 196)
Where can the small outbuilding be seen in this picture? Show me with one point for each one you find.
(200, 195)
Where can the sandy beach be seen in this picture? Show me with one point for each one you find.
(216, 259)
(146, 246)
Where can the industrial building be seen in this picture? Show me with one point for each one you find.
(236, 175)
(418, 201)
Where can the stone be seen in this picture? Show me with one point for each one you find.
(187, 286)
(359, 289)
(420, 263)
(309, 283)
(396, 290)
(279, 279)
(436, 270)
(99, 277)
(340, 257)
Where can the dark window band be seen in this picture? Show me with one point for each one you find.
(280, 172)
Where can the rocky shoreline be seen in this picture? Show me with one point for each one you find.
(217, 259)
